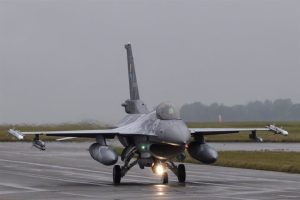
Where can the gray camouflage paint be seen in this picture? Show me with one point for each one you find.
(162, 125)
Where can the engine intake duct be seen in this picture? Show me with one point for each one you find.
(202, 152)
(103, 154)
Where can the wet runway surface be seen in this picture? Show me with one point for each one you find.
(66, 171)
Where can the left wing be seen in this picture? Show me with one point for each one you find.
(215, 131)
(82, 133)
(78, 133)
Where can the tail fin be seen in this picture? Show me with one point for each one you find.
(133, 86)
(133, 105)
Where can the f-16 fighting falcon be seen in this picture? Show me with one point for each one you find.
(151, 139)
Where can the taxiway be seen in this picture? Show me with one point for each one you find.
(66, 171)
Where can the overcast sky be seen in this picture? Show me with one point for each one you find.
(63, 61)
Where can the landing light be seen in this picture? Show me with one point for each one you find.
(159, 169)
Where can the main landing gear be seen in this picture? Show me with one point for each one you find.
(117, 175)
(118, 171)
(179, 171)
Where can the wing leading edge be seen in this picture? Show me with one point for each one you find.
(79, 133)
(216, 131)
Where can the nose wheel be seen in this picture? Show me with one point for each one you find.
(165, 178)
(179, 171)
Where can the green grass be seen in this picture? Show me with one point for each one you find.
(261, 160)
(292, 127)
(271, 161)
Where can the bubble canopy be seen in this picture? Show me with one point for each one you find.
(167, 111)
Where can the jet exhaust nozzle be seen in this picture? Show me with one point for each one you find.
(202, 152)
(103, 154)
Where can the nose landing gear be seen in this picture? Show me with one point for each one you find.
(179, 171)
(165, 178)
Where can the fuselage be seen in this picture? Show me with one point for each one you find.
(164, 134)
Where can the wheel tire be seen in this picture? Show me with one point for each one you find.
(117, 174)
(181, 173)
(165, 178)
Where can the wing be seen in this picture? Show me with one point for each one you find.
(215, 131)
(110, 133)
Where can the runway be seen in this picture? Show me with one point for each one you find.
(66, 171)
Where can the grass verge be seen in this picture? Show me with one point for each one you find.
(269, 160)
(260, 160)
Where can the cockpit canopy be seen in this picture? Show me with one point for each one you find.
(167, 111)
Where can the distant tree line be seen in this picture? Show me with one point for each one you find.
(278, 110)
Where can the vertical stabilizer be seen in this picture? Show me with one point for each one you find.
(133, 86)
(133, 105)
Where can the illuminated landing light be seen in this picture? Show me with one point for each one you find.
(159, 169)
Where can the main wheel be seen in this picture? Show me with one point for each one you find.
(164, 178)
(117, 174)
(181, 173)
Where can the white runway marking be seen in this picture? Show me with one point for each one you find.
(17, 186)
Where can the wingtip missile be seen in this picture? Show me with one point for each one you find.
(277, 130)
(16, 134)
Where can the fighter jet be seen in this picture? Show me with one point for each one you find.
(153, 139)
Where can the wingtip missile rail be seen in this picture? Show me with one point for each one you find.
(277, 130)
(16, 133)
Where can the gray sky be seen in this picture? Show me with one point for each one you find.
(64, 61)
